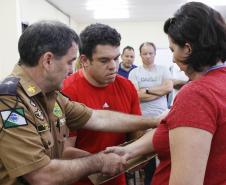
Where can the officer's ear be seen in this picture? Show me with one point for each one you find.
(85, 62)
(47, 60)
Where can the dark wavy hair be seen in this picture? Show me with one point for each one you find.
(42, 37)
(97, 34)
(204, 29)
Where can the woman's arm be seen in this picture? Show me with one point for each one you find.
(142, 146)
(189, 148)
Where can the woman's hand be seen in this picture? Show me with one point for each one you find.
(120, 150)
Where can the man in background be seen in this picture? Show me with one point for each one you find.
(128, 57)
(98, 86)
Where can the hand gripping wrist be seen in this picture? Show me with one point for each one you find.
(99, 161)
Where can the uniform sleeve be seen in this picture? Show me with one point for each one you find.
(77, 114)
(21, 148)
(133, 78)
(68, 90)
(195, 107)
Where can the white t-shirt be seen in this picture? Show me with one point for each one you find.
(147, 78)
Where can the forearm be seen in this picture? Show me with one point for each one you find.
(72, 153)
(102, 120)
(144, 97)
(142, 146)
(177, 84)
(161, 90)
(64, 171)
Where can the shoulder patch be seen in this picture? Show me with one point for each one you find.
(57, 110)
(13, 118)
(9, 85)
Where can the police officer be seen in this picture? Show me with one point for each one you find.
(35, 116)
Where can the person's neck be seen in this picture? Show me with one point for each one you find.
(124, 67)
(37, 77)
(148, 66)
(197, 75)
(91, 80)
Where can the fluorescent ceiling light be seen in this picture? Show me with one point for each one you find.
(101, 4)
(111, 14)
(214, 2)
(109, 9)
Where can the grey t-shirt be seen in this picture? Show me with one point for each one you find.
(147, 78)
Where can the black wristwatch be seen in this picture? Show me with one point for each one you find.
(147, 91)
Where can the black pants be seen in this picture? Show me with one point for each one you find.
(149, 171)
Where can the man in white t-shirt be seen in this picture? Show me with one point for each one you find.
(153, 82)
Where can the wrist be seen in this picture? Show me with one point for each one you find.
(155, 121)
(100, 163)
(130, 152)
(147, 90)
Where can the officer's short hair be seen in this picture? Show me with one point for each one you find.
(42, 37)
(97, 34)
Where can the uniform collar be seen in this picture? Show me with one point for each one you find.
(28, 84)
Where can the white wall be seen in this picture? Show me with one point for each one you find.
(135, 33)
(9, 34)
(35, 10)
(74, 25)
(12, 13)
(29, 11)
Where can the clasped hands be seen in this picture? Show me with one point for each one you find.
(114, 160)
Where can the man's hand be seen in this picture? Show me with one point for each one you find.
(162, 116)
(156, 120)
(112, 163)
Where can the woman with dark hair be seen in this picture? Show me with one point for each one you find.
(190, 141)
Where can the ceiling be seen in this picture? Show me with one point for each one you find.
(140, 10)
